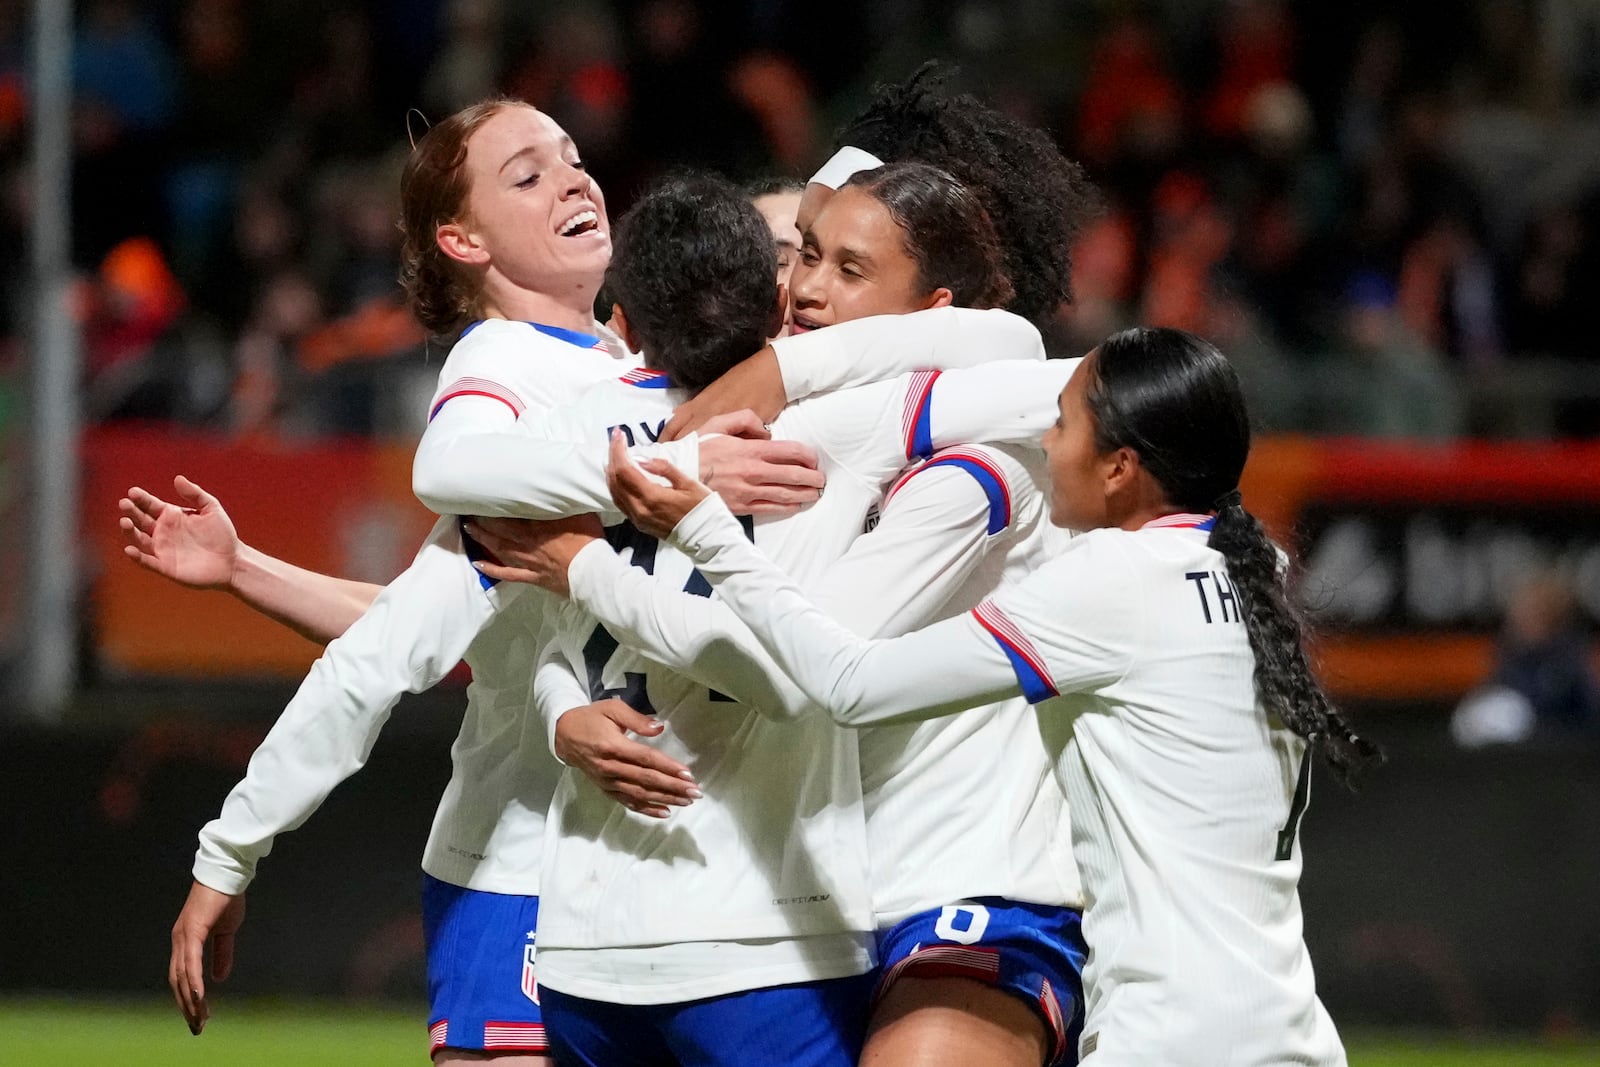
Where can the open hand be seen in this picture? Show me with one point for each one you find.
(192, 543)
(755, 476)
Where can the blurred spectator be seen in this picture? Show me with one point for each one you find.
(1551, 309)
(1543, 683)
(1384, 381)
(121, 65)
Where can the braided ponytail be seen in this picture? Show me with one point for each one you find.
(1175, 400)
(1285, 685)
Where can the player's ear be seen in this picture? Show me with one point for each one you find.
(775, 321)
(460, 244)
(1122, 470)
(619, 326)
(940, 298)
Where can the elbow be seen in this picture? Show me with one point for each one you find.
(849, 717)
(430, 486)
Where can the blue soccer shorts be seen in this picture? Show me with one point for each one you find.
(809, 1024)
(1035, 952)
(481, 988)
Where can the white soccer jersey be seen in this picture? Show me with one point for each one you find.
(956, 807)
(490, 821)
(1185, 799)
(495, 386)
(964, 806)
(776, 848)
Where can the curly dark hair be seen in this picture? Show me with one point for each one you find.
(694, 269)
(1175, 401)
(947, 231)
(1038, 198)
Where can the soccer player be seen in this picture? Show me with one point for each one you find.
(1172, 686)
(982, 957)
(502, 226)
(1037, 198)
(728, 920)
(778, 200)
(386, 653)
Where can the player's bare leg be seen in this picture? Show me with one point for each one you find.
(447, 1057)
(953, 1022)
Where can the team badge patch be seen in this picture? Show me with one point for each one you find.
(530, 983)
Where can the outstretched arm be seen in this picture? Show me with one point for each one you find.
(931, 537)
(416, 632)
(194, 543)
(473, 459)
(945, 668)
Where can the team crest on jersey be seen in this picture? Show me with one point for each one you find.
(530, 984)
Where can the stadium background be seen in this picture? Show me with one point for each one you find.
(1389, 215)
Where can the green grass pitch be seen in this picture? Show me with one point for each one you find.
(78, 1033)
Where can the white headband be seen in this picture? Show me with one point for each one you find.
(845, 162)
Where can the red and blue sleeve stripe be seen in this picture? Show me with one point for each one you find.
(916, 421)
(479, 387)
(983, 471)
(1032, 673)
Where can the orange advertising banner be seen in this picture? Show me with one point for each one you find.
(341, 507)
(1409, 552)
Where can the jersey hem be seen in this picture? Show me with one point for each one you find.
(848, 966)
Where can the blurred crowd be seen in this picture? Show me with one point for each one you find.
(1389, 217)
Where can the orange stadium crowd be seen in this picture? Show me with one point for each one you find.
(1379, 217)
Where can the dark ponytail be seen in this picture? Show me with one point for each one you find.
(1175, 400)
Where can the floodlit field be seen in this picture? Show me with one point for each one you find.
(66, 1033)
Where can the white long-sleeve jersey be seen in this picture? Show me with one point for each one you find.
(776, 849)
(490, 821)
(957, 807)
(1185, 798)
(495, 387)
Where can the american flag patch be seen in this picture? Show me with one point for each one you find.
(479, 387)
(438, 1034)
(524, 1037)
(645, 378)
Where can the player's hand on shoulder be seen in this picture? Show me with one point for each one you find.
(205, 929)
(533, 551)
(654, 508)
(192, 542)
(755, 384)
(597, 740)
(759, 477)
